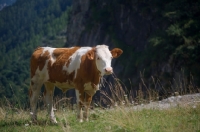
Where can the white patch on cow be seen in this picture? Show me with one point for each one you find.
(89, 89)
(97, 87)
(65, 85)
(42, 75)
(88, 86)
(50, 50)
(77, 96)
(103, 58)
(75, 60)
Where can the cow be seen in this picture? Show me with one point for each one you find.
(80, 68)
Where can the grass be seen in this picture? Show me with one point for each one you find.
(169, 120)
(120, 119)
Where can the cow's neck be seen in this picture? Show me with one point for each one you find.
(88, 71)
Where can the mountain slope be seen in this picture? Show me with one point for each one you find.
(23, 27)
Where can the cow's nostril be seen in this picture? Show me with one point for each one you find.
(108, 69)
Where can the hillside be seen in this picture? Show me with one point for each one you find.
(23, 27)
(160, 40)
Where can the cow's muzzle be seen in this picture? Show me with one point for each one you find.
(108, 70)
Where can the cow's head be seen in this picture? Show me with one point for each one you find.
(103, 57)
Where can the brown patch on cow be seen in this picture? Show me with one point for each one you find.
(88, 72)
(38, 61)
(116, 52)
(88, 98)
(55, 70)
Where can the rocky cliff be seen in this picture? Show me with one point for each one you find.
(95, 22)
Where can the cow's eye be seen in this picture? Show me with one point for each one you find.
(98, 58)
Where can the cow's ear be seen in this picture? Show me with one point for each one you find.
(90, 55)
(116, 52)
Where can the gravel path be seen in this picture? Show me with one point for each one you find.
(173, 101)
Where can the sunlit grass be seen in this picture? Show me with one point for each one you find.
(177, 119)
(120, 119)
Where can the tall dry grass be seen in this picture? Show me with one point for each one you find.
(147, 90)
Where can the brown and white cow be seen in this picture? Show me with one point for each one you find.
(66, 68)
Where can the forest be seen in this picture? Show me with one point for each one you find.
(23, 27)
(159, 38)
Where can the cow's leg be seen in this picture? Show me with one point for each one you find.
(48, 96)
(34, 93)
(79, 100)
(88, 99)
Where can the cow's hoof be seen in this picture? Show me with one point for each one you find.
(86, 119)
(54, 121)
(80, 120)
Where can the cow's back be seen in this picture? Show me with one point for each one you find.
(47, 64)
(62, 57)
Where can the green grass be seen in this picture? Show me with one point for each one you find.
(121, 119)
(170, 120)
